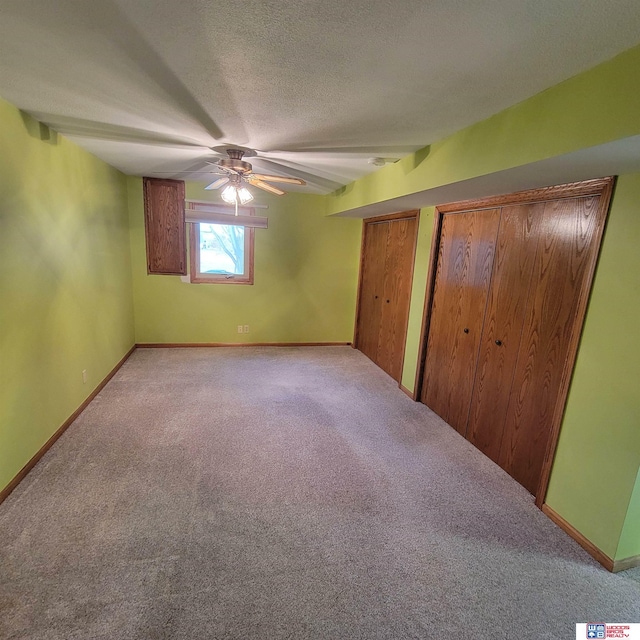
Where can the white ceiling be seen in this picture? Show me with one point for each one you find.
(316, 86)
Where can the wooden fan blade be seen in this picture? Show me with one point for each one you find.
(216, 184)
(263, 176)
(263, 185)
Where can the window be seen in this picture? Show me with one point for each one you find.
(221, 253)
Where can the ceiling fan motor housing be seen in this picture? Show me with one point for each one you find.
(235, 162)
(235, 165)
(238, 172)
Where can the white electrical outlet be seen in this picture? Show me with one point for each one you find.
(84, 376)
(239, 328)
(246, 328)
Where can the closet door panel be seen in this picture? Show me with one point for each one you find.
(396, 295)
(561, 269)
(371, 288)
(463, 274)
(510, 285)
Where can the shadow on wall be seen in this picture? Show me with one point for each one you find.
(39, 130)
(343, 190)
(414, 160)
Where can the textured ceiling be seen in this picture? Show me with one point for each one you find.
(316, 86)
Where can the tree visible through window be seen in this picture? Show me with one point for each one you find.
(221, 253)
(221, 249)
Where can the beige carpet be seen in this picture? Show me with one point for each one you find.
(282, 493)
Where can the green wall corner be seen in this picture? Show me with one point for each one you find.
(418, 293)
(305, 283)
(65, 286)
(629, 546)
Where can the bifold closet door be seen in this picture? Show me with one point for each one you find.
(504, 318)
(374, 251)
(396, 295)
(508, 303)
(385, 290)
(567, 247)
(463, 274)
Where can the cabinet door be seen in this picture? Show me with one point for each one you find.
(396, 295)
(164, 225)
(510, 285)
(463, 275)
(566, 251)
(371, 288)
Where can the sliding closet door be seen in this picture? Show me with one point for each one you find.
(567, 247)
(510, 285)
(463, 274)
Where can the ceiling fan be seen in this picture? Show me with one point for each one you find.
(235, 173)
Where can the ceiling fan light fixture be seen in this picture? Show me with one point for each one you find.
(233, 194)
(244, 195)
(236, 173)
(229, 194)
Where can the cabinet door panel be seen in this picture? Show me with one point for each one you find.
(164, 225)
(561, 270)
(463, 274)
(396, 295)
(371, 288)
(510, 284)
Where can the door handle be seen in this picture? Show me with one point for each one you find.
(499, 342)
(466, 330)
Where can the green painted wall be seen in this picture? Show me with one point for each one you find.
(629, 545)
(305, 282)
(418, 292)
(65, 284)
(598, 453)
(598, 106)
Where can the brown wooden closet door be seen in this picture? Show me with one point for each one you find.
(463, 274)
(371, 288)
(396, 295)
(564, 258)
(510, 285)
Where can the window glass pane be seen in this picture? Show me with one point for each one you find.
(221, 249)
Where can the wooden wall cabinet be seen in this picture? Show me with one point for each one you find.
(164, 225)
(508, 299)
